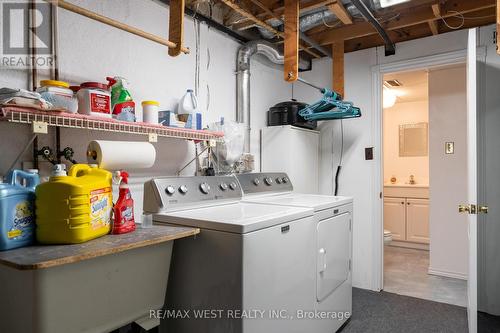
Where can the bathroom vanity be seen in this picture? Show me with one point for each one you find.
(406, 214)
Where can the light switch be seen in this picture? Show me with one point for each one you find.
(449, 147)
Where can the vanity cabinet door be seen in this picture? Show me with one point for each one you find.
(394, 217)
(417, 220)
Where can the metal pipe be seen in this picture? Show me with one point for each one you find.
(367, 14)
(32, 46)
(314, 44)
(54, 11)
(245, 53)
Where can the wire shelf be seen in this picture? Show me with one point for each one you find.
(24, 115)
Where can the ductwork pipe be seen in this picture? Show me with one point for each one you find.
(245, 53)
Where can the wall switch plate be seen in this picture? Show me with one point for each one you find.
(449, 147)
(369, 153)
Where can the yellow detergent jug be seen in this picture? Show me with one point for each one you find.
(74, 208)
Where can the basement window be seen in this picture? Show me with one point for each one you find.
(388, 3)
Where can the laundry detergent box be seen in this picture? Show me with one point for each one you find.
(75, 207)
(17, 210)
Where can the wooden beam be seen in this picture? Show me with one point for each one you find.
(176, 26)
(338, 67)
(113, 23)
(413, 17)
(339, 10)
(266, 10)
(498, 26)
(433, 25)
(486, 17)
(291, 53)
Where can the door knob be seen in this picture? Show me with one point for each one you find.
(483, 209)
(463, 209)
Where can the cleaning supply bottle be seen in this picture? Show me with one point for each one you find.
(123, 220)
(122, 104)
(17, 210)
(188, 111)
(75, 207)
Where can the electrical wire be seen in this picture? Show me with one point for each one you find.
(326, 24)
(458, 15)
(339, 166)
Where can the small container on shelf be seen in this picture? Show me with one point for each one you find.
(150, 111)
(94, 99)
(59, 94)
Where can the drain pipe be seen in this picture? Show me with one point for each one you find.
(367, 14)
(245, 53)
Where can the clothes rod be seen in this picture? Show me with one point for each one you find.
(119, 25)
(321, 90)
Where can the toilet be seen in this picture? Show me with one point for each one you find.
(387, 236)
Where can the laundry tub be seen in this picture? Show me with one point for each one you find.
(96, 286)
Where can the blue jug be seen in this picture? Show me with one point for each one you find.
(17, 211)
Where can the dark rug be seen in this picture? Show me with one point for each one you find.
(382, 312)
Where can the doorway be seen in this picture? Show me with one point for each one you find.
(424, 153)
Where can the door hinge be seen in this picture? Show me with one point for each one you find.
(472, 209)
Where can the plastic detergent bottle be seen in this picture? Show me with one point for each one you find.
(123, 217)
(76, 207)
(188, 110)
(17, 211)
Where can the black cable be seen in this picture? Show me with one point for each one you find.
(339, 167)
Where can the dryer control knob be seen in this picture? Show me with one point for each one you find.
(204, 188)
(183, 189)
(233, 186)
(223, 186)
(256, 181)
(279, 180)
(285, 180)
(170, 190)
(268, 181)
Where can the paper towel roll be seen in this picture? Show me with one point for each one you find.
(115, 155)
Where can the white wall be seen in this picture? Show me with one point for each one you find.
(448, 122)
(394, 165)
(90, 51)
(357, 176)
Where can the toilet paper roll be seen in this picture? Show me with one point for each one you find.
(116, 155)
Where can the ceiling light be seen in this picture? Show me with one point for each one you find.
(388, 3)
(389, 98)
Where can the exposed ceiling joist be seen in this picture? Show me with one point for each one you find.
(339, 10)
(433, 25)
(279, 10)
(233, 5)
(411, 18)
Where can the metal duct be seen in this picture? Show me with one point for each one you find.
(245, 53)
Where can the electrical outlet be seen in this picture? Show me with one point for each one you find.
(449, 147)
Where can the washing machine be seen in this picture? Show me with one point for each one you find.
(251, 268)
(333, 242)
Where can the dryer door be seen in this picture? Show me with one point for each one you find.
(333, 254)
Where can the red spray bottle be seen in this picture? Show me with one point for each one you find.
(123, 221)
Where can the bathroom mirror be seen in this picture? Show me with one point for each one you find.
(413, 139)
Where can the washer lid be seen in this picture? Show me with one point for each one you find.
(317, 202)
(237, 217)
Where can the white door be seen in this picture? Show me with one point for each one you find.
(472, 177)
(483, 133)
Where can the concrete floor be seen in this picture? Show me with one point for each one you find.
(405, 273)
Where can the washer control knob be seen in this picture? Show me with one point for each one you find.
(256, 181)
(170, 190)
(204, 188)
(223, 186)
(183, 189)
(279, 180)
(285, 180)
(268, 181)
(233, 186)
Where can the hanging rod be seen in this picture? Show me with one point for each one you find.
(321, 90)
(119, 25)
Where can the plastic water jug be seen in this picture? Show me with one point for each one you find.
(17, 211)
(74, 208)
(188, 103)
